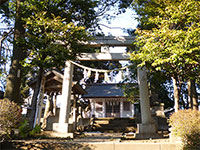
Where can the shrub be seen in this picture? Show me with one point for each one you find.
(186, 124)
(25, 130)
(35, 130)
(10, 115)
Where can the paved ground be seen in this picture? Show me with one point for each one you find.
(90, 141)
(98, 137)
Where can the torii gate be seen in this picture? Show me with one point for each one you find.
(147, 129)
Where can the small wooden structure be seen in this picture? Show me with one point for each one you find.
(108, 100)
(53, 89)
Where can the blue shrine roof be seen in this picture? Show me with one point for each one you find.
(103, 90)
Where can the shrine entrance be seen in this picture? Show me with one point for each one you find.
(112, 109)
(147, 128)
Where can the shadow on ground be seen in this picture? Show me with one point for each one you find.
(44, 146)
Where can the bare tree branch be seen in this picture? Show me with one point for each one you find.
(3, 38)
(111, 27)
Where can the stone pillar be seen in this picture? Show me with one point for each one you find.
(63, 124)
(121, 109)
(104, 108)
(132, 110)
(147, 128)
(144, 96)
(66, 93)
(92, 108)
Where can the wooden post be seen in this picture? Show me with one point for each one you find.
(40, 100)
(75, 112)
(54, 104)
(47, 111)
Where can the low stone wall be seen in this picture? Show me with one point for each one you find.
(134, 146)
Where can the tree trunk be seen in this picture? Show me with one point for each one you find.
(176, 94)
(12, 90)
(2, 40)
(190, 93)
(194, 96)
(35, 98)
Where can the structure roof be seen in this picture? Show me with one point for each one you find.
(103, 90)
(53, 83)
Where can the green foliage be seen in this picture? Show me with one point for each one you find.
(35, 130)
(25, 130)
(54, 30)
(168, 38)
(10, 115)
(186, 124)
(43, 35)
(131, 91)
(171, 44)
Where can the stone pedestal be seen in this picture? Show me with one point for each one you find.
(146, 131)
(63, 130)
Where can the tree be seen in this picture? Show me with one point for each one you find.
(80, 11)
(3, 1)
(192, 94)
(53, 34)
(171, 43)
(41, 35)
(12, 90)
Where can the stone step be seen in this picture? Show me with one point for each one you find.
(115, 120)
(112, 125)
(115, 130)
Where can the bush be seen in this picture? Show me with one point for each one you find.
(186, 124)
(10, 115)
(35, 130)
(25, 130)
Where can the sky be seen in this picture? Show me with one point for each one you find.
(123, 21)
(126, 20)
(115, 28)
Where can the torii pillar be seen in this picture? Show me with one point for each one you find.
(147, 128)
(63, 127)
